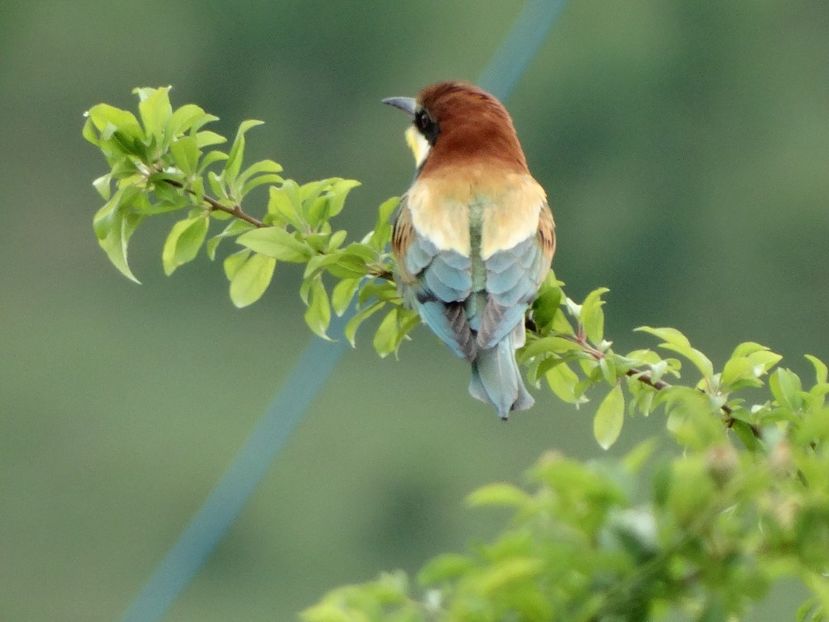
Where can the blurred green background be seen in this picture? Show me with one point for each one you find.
(685, 148)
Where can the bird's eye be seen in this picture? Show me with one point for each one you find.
(427, 126)
(422, 121)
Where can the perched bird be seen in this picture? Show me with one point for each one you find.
(473, 236)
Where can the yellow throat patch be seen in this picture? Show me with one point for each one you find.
(418, 144)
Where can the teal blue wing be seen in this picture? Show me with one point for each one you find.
(435, 283)
(513, 277)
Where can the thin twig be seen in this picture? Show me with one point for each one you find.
(215, 206)
(379, 272)
(647, 378)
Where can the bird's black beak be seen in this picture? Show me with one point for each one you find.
(406, 104)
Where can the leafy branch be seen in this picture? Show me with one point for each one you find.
(235, 211)
(747, 500)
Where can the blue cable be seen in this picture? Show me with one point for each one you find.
(312, 370)
(520, 46)
(223, 505)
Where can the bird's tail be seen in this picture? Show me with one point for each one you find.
(496, 379)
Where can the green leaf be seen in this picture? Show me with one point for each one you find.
(785, 386)
(102, 185)
(510, 571)
(691, 417)
(500, 494)
(326, 611)
(89, 133)
(636, 458)
(318, 313)
(258, 174)
(690, 491)
(354, 323)
(607, 423)
(381, 235)
(387, 337)
(206, 138)
(339, 192)
(237, 151)
(592, 316)
(187, 117)
(343, 294)
(114, 224)
(261, 180)
(561, 325)
(251, 280)
(258, 168)
(183, 242)
(562, 381)
(677, 342)
(607, 366)
(277, 243)
(821, 371)
(545, 306)
(747, 364)
(739, 373)
(549, 345)
(168, 197)
(444, 568)
(746, 348)
(211, 158)
(155, 109)
(809, 611)
(234, 228)
(116, 241)
(107, 119)
(317, 263)
(284, 204)
(217, 185)
(817, 583)
(336, 240)
(233, 262)
(186, 154)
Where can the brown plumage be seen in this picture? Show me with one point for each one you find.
(473, 126)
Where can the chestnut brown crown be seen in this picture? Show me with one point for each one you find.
(463, 124)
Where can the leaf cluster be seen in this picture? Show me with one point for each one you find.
(165, 161)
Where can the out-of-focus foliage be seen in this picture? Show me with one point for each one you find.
(701, 538)
(722, 521)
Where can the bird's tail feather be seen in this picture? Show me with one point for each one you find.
(496, 378)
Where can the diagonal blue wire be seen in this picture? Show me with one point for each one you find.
(520, 46)
(312, 370)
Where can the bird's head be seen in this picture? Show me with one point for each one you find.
(456, 123)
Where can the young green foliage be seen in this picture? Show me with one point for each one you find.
(161, 162)
(745, 503)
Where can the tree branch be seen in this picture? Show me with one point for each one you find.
(215, 206)
(646, 378)
(382, 273)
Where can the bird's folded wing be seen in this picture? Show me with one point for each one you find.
(513, 277)
(434, 282)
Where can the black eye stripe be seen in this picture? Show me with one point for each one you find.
(426, 126)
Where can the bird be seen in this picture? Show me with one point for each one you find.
(473, 237)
